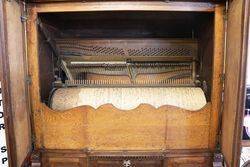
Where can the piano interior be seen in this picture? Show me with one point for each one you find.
(147, 76)
(125, 49)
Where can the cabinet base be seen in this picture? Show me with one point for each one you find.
(86, 158)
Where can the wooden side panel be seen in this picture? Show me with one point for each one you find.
(108, 128)
(5, 80)
(17, 74)
(205, 52)
(46, 68)
(217, 69)
(34, 87)
(234, 82)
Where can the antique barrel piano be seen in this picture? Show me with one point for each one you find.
(124, 83)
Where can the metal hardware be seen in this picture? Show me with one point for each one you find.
(24, 18)
(66, 70)
(131, 72)
(126, 48)
(84, 57)
(38, 21)
(126, 163)
(222, 77)
(28, 80)
(33, 141)
(204, 86)
(98, 63)
(218, 160)
(225, 14)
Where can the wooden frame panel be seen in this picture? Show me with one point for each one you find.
(5, 80)
(125, 6)
(165, 158)
(86, 127)
(39, 109)
(234, 96)
(217, 82)
(17, 73)
(13, 70)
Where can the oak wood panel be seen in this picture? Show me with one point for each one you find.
(64, 162)
(125, 6)
(17, 75)
(217, 69)
(108, 128)
(5, 84)
(64, 158)
(234, 96)
(33, 68)
(189, 162)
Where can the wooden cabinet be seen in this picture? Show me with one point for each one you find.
(84, 127)
(178, 158)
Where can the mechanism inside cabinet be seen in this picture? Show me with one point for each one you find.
(125, 50)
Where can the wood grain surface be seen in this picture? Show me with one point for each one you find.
(108, 128)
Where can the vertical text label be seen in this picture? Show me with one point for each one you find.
(3, 148)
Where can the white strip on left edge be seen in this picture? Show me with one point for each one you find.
(3, 147)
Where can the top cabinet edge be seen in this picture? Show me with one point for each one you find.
(166, 1)
(122, 6)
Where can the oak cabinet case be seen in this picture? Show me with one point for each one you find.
(123, 83)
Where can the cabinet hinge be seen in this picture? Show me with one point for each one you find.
(225, 14)
(24, 18)
(28, 80)
(222, 77)
(218, 160)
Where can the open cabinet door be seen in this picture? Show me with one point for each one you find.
(235, 73)
(14, 85)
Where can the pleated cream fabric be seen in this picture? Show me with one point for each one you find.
(128, 98)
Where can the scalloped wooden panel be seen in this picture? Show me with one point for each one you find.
(108, 128)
